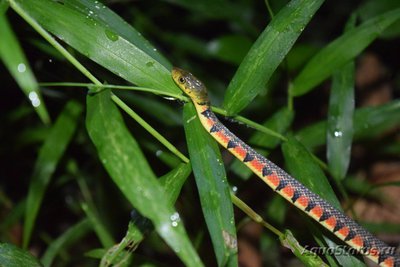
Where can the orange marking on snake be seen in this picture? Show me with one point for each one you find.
(302, 201)
(288, 191)
(240, 151)
(358, 241)
(344, 231)
(222, 137)
(317, 211)
(389, 262)
(273, 179)
(210, 123)
(258, 166)
(331, 222)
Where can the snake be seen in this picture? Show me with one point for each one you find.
(281, 182)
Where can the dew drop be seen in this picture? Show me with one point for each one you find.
(158, 153)
(34, 98)
(175, 219)
(21, 67)
(111, 35)
(165, 228)
(338, 133)
(234, 189)
(213, 47)
(150, 63)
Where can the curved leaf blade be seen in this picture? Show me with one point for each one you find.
(174, 180)
(267, 53)
(15, 60)
(340, 51)
(213, 187)
(106, 16)
(129, 169)
(49, 155)
(340, 121)
(101, 43)
(12, 256)
(70, 236)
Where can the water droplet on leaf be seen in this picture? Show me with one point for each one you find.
(150, 63)
(21, 67)
(337, 133)
(111, 35)
(34, 98)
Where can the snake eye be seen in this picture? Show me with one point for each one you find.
(182, 80)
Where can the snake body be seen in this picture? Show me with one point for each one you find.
(292, 190)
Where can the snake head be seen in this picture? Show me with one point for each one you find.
(192, 86)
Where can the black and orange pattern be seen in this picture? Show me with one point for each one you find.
(281, 182)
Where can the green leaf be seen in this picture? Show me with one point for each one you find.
(340, 121)
(213, 187)
(174, 180)
(267, 53)
(172, 183)
(15, 60)
(127, 166)
(340, 117)
(68, 238)
(369, 122)
(101, 42)
(98, 226)
(340, 51)
(49, 155)
(12, 256)
(372, 8)
(3, 7)
(106, 16)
